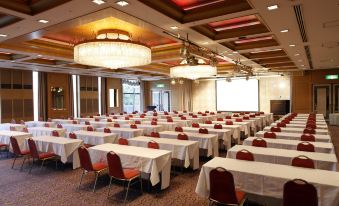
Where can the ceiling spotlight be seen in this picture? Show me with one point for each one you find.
(174, 27)
(43, 21)
(39, 55)
(181, 81)
(173, 82)
(273, 7)
(235, 52)
(99, 2)
(292, 45)
(3, 35)
(296, 54)
(284, 31)
(122, 3)
(206, 42)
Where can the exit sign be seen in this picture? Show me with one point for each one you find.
(160, 85)
(332, 76)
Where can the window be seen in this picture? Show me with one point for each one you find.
(131, 95)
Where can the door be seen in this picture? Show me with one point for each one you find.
(161, 99)
(322, 99)
(335, 100)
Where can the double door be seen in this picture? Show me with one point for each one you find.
(326, 99)
(161, 99)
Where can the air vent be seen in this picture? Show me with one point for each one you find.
(308, 54)
(300, 20)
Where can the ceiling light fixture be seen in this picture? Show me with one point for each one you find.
(273, 7)
(284, 31)
(292, 45)
(112, 49)
(99, 2)
(296, 54)
(174, 27)
(3, 35)
(122, 3)
(194, 71)
(43, 21)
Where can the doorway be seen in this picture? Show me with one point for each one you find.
(322, 99)
(161, 99)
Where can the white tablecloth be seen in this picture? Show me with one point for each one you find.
(19, 136)
(148, 129)
(268, 180)
(45, 131)
(325, 161)
(206, 141)
(84, 119)
(291, 125)
(168, 126)
(298, 130)
(66, 148)
(235, 128)
(39, 124)
(96, 138)
(324, 147)
(124, 132)
(180, 123)
(97, 125)
(181, 149)
(62, 121)
(150, 161)
(296, 136)
(74, 127)
(7, 126)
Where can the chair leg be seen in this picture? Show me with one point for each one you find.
(30, 169)
(42, 164)
(109, 186)
(95, 182)
(129, 182)
(140, 179)
(82, 175)
(14, 161)
(23, 162)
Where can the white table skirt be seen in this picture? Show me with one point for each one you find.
(236, 128)
(168, 126)
(7, 126)
(298, 130)
(19, 136)
(268, 180)
(62, 121)
(66, 148)
(296, 136)
(148, 129)
(74, 127)
(97, 125)
(124, 132)
(206, 141)
(185, 150)
(323, 147)
(325, 161)
(84, 119)
(96, 138)
(39, 124)
(150, 161)
(291, 125)
(45, 131)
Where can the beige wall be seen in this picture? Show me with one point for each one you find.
(204, 96)
(113, 83)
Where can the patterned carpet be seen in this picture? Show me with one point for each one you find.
(52, 186)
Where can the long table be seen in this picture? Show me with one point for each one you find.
(298, 130)
(296, 136)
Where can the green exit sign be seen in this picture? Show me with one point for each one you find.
(332, 76)
(160, 85)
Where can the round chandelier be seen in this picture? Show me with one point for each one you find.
(197, 70)
(112, 49)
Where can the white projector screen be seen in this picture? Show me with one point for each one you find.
(238, 95)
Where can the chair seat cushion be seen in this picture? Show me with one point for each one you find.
(240, 196)
(99, 166)
(45, 155)
(3, 145)
(131, 173)
(25, 152)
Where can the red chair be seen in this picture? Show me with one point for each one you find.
(178, 129)
(115, 117)
(222, 189)
(246, 117)
(123, 141)
(182, 136)
(153, 145)
(22, 122)
(298, 192)
(18, 152)
(307, 138)
(242, 113)
(195, 125)
(270, 135)
(285, 121)
(306, 147)
(194, 116)
(312, 126)
(220, 119)
(155, 114)
(303, 161)
(154, 119)
(199, 112)
(247, 112)
(59, 126)
(72, 135)
(229, 122)
(134, 126)
(217, 126)
(169, 120)
(228, 117)
(275, 129)
(208, 122)
(25, 129)
(244, 155)
(116, 171)
(116, 125)
(90, 129)
(165, 113)
(235, 115)
(142, 116)
(107, 130)
(212, 113)
(238, 120)
(309, 131)
(96, 119)
(261, 112)
(203, 131)
(13, 121)
(87, 123)
(74, 122)
(155, 134)
(281, 124)
(154, 123)
(252, 115)
(46, 124)
(204, 115)
(137, 122)
(126, 118)
(55, 133)
(109, 120)
(259, 142)
(87, 166)
(40, 156)
(183, 118)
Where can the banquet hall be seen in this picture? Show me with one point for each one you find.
(169, 102)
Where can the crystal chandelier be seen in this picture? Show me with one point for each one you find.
(197, 70)
(112, 49)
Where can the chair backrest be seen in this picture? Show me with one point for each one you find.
(271, 135)
(90, 129)
(179, 129)
(194, 116)
(59, 126)
(259, 142)
(114, 166)
(238, 120)
(153, 145)
(169, 120)
(72, 135)
(85, 159)
(15, 146)
(229, 122)
(134, 126)
(182, 136)
(32, 148)
(195, 125)
(246, 117)
(244, 155)
(55, 133)
(115, 117)
(252, 115)
(281, 124)
(307, 137)
(74, 122)
(165, 113)
(228, 117)
(306, 147)
(242, 113)
(203, 131)
(155, 114)
(312, 126)
(126, 118)
(217, 126)
(183, 118)
(87, 123)
(199, 112)
(220, 119)
(137, 122)
(25, 129)
(116, 125)
(275, 129)
(154, 119)
(107, 130)
(235, 115)
(122, 141)
(155, 134)
(13, 121)
(212, 113)
(285, 121)
(97, 119)
(303, 161)
(154, 122)
(208, 122)
(109, 120)
(204, 114)
(298, 192)
(22, 122)
(309, 131)
(46, 124)
(222, 187)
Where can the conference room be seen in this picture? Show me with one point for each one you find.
(169, 102)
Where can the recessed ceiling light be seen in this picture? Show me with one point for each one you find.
(174, 27)
(273, 7)
(292, 45)
(122, 3)
(39, 55)
(284, 31)
(206, 42)
(3, 35)
(43, 21)
(235, 52)
(297, 54)
(99, 2)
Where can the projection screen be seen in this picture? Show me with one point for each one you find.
(237, 95)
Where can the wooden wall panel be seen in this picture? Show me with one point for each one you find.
(57, 80)
(88, 95)
(113, 83)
